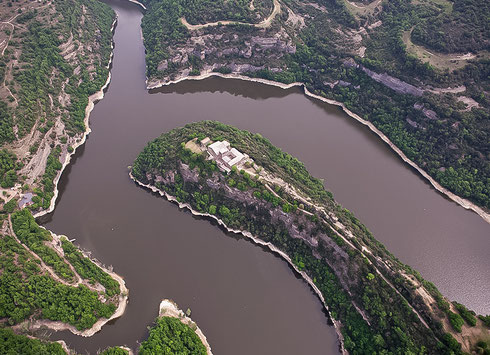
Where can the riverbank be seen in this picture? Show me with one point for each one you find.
(123, 296)
(92, 100)
(138, 3)
(155, 84)
(169, 308)
(97, 327)
(123, 299)
(258, 241)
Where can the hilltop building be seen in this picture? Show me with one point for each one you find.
(225, 156)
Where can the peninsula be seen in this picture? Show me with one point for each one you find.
(422, 90)
(251, 187)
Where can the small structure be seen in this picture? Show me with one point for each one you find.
(26, 200)
(205, 142)
(225, 156)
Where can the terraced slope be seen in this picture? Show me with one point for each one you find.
(55, 57)
(54, 61)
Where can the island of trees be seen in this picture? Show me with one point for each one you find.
(382, 305)
(170, 336)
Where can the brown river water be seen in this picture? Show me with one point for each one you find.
(244, 298)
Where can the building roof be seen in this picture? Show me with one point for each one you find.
(225, 156)
(237, 157)
(205, 141)
(220, 147)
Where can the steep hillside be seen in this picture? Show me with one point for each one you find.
(407, 67)
(378, 303)
(54, 56)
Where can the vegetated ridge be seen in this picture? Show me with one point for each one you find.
(57, 56)
(380, 304)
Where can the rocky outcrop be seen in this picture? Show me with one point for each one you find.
(394, 83)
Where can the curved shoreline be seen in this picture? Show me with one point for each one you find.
(257, 241)
(169, 308)
(151, 85)
(123, 296)
(121, 307)
(138, 3)
(263, 24)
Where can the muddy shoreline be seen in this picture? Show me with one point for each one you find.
(257, 241)
(155, 84)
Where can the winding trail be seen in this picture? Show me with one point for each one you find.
(10, 92)
(264, 24)
(369, 6)
(42, 265)
(9, 22)
(329, 220)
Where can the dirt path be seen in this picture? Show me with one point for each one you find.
(264, 24)
(362, 10)
(42, 265)
(455, 90)
(10, 36)
(57, 325)
(9, 22)
(449, 61)
(370, 6)
(10, 92)
(331, 221)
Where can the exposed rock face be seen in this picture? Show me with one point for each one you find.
(272, 43)
(220, 47)
(187, 174)
(243, 68)
(412, 123)
(163, 65)
(167, 180)
(298, 225)
(430, 114)
(394, 83)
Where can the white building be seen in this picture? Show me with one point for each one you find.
(225, 156)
